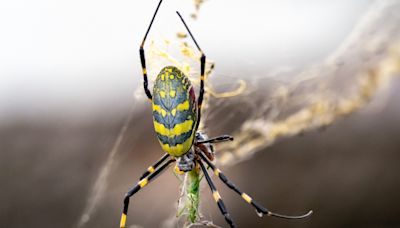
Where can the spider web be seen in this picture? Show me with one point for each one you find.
(284, 104)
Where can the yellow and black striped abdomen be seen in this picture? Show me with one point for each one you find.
(174, 111)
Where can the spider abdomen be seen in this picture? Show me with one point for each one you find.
(174, 111)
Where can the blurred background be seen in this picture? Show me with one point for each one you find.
(315, 110)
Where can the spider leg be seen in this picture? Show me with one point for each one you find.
(216, 196)
(202, 90)
(202, 70)
(145, 81)
(141, 184)
(143, 59)
(153, 167)
(218, 139)
(260, 209)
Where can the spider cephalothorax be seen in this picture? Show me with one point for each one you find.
(176, 118)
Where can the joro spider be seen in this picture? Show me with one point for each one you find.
(176, 118)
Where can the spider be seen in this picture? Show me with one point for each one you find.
(176, 118)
